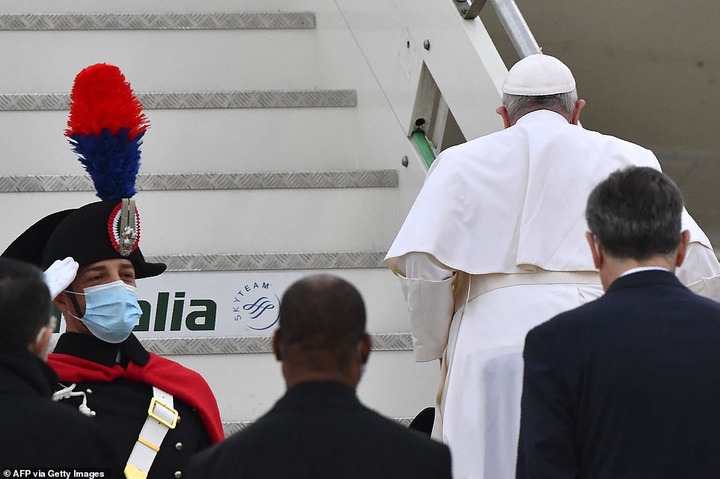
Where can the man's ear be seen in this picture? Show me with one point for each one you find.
(62, 300)
(364, 348)
(682, 248)
(575, 118)
(40, 347)
(503, 112)
(277, 345)
(595, 249)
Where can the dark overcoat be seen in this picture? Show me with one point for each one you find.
(37, 433)
(320, 430)
(627, 386)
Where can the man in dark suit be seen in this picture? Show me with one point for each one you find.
(35, 432)
(627, 386)
(319, 429)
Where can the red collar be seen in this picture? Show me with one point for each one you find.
(171, 377)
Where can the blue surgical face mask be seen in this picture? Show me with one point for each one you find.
(111, 311)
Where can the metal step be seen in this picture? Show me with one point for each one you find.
(253, 344)
(157, 21)
(272, 261)
(210, 181)
(198, 100)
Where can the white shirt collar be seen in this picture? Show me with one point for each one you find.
(644, 268)
(542, 116)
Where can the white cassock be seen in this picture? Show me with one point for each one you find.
(494, 245)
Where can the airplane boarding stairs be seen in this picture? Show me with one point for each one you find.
(279, 147)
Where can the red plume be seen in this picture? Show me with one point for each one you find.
(101, 98)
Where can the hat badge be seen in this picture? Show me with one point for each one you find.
(124, 227)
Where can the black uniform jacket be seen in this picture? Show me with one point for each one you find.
(120, 406)
(320, 430)
(37, 433)
(627, 386)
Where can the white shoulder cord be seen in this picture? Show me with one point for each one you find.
(162, 417)
(68, 392)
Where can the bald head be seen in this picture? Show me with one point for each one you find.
(322, 329)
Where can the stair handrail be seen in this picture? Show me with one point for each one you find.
(511, 19)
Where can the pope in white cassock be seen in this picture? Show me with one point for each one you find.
(495, 244)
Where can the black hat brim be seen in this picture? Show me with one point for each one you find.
(80, 234)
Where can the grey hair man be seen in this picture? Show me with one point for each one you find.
(635, 220)
(494, 245)
(35, 431)
(625, 386)
(319, 428)
(520, 98)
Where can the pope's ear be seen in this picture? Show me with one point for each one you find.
(575, 117)
(503, 112)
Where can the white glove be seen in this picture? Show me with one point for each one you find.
(59, 275)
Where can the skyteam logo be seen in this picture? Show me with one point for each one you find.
(256, 306)
(221, 304)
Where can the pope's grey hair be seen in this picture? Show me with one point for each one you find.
(518, 105)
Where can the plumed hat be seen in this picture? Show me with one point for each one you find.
(538, 75)
(105, 127)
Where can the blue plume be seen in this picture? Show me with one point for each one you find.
(113, 161)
